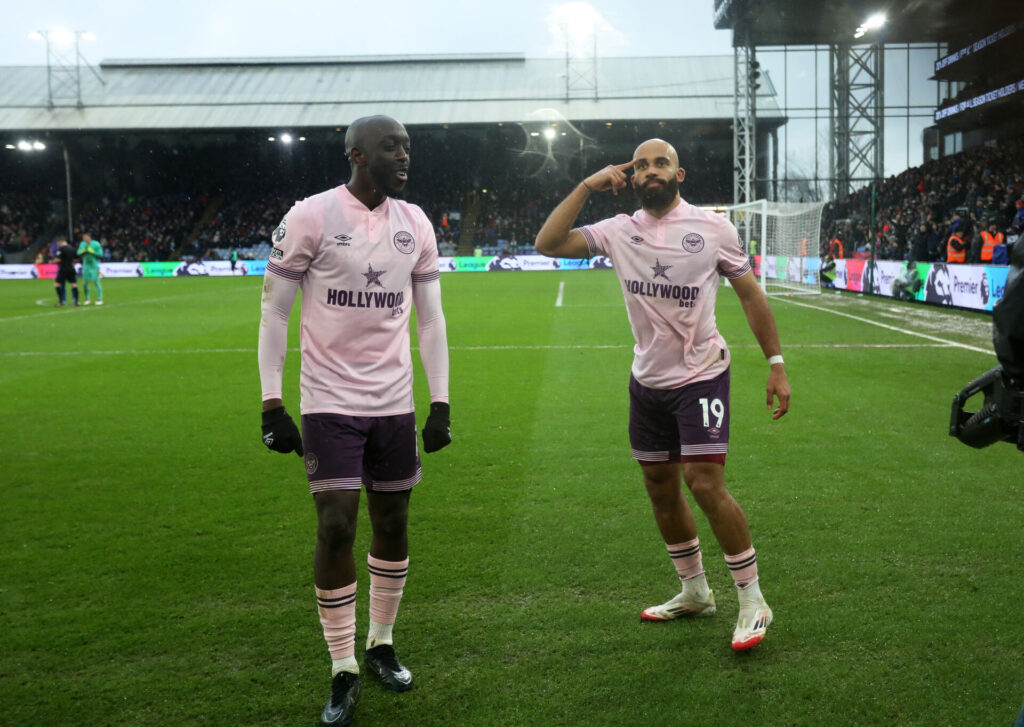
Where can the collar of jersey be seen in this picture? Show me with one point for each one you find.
(678, 211)
(349, 200)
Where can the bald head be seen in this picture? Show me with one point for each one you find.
(367, 131)
(653, 148)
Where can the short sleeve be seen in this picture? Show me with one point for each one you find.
(426, 269)
(295, 241)
(597, 236)
(732, 260)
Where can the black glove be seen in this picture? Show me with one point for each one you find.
(437, 432)
(280, 433)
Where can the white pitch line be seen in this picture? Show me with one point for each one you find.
(561, 292)
(892, 328)
(589, 347)
(67, 309)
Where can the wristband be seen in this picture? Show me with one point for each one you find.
(772, 360)
(587, 186)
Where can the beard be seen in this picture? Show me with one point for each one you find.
(657, 197)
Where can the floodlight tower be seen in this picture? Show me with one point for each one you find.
(746, 74)
(856, 110)
(579, 28)
(64, 62)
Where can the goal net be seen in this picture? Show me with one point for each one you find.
(782, 239)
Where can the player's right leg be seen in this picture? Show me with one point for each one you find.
(654, 439)
(679, 531)
(333, 447)
(335, 577)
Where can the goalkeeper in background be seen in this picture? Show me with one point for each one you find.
(90, 251)
(669, 256)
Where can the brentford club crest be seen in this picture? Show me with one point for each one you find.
(404, 242)
(693, 242)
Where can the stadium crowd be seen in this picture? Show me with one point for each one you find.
(967, 195)
(22, 219)
(496, 208)
(141, 229)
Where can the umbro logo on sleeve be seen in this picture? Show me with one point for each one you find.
(342, 239)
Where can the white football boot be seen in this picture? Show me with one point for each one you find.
(695, 599)
(753, 621)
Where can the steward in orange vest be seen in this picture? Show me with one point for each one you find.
(956, 250)
(835, 248)
(990, 239)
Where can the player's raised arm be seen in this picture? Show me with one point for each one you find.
(557, 238)
(762, 323)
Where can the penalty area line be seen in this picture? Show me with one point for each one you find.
(561, 293)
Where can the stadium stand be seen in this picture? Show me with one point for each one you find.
(917, 210)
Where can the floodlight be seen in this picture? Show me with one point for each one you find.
(270, 138)
(61, 36)
(534, 133)
(11, 146)
(549, 134)
(38, 145)
(875, 21)
(302, 138)
(286, 138)
(24, 146)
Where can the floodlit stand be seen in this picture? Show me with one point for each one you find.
(782, 239)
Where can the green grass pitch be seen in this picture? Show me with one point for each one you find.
(155, 558)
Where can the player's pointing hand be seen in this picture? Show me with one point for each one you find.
(612, 177)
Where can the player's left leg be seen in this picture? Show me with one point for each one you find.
(99, 290)
(706, 480)
(392, 468)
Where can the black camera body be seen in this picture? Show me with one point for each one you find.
(1001, 416)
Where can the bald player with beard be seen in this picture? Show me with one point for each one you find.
(669, 257)
(362, 257)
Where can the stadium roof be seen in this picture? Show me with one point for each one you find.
(808, 22)
(246, 93)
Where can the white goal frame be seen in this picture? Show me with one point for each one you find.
(788, 235)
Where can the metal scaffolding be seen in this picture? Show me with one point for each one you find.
(856, 114)
(744, 136)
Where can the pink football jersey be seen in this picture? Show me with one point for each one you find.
(356, 268)
(669, 269)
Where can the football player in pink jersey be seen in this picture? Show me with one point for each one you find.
(361, 256)
(669, 257)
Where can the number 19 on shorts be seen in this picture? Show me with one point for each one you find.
(709, 408)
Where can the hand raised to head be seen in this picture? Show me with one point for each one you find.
(612, 177)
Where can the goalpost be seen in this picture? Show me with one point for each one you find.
(785, 249)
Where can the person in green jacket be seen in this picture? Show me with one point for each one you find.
(90, 251)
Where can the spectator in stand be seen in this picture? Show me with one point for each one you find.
(991, 238)
(1017, 224)
(921, 244)
(956, 247)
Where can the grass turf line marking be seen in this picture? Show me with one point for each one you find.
(66, 309)
(561, 293)
(589, 347)
(892, 328)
